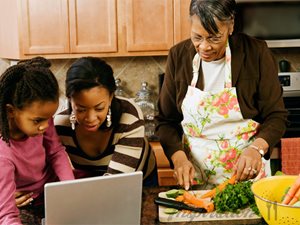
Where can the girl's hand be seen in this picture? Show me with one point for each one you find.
(248, 165)
(184, 170)
(23, 198)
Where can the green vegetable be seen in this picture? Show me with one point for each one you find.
(297, 204)
(172, 193)
(171, 211)
(279, 173)
(181, 191)
(235, 197)
(197, 181)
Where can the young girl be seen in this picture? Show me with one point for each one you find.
(30, 152)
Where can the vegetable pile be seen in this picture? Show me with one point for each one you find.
(212, 193)
(235, 197)
(189, 199)
(293, 194)
(226, 197)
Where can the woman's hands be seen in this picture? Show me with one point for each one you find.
(184, 170)
(249, 163)
(23, 198)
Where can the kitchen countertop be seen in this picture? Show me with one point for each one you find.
(33, 216)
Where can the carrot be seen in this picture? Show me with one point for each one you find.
(212, 193)
(179, 198)
(196, 202)
(295, 198)
(294, 192)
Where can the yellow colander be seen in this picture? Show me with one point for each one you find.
(268, 193)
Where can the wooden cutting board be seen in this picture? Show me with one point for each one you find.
(183, 216)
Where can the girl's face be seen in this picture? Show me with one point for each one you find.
(32, 120)
(210, 47)
(91, 107)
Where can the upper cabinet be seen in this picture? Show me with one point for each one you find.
(104, 28)
(149, 25)
(44, 27)
(181, 20)
(93, 26)
(58, 28)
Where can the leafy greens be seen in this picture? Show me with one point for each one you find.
(235, 197)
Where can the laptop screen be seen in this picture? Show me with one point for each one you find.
(114, 199)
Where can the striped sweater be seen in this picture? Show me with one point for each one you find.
(127, 151)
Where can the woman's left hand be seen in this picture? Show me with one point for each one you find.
(248, 165)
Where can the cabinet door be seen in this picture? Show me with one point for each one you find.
(44, 25)
(181, 20)
(93, 26)
(149, 25)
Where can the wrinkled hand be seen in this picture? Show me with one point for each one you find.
(23, 198)
(248, 165)
(184, 170)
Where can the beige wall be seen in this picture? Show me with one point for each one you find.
(133, 70)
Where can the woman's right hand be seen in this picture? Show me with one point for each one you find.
(184, 170)
(23, 198)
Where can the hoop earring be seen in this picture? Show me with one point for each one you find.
(73, 120)
(108, 118)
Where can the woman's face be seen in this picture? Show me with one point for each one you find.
(90, 107)
(210, 47)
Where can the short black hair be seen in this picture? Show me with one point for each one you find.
(89, 72)
(209, 10)
(24, 83)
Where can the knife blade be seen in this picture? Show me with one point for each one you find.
(177, 205)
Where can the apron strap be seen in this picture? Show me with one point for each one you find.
(196, 66)
(228, 82)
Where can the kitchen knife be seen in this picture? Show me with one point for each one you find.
(177, 205)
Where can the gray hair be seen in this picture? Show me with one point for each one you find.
(209, 10)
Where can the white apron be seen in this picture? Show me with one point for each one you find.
(215, 131)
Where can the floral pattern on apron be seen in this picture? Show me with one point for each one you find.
(215, 132)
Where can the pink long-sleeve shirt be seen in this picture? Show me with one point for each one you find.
(28, 164)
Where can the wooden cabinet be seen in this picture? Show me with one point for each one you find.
(93, 26)
(44, 27)
(156, 25)
(149, 25)
(104, 28)
(181, 20)
(57, 28)
(60, 26)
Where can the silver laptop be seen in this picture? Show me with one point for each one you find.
(114, 199)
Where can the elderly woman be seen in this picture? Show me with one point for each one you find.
(220, 108)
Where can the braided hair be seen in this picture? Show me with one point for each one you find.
(22, 84)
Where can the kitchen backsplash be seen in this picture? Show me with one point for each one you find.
(134, 70)
(131, 70)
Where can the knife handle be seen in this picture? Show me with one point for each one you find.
(177, 205)
(168, 203)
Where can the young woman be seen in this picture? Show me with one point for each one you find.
(30, 151)
(103, 134)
